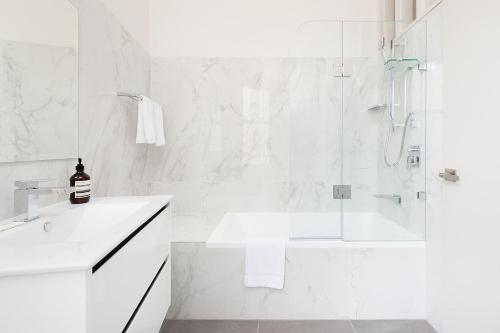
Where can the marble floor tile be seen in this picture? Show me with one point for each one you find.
(392, 326)
(210, 326)
(305, 326)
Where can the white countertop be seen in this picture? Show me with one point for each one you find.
(81, 235)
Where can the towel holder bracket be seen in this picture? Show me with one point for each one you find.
(133, 96)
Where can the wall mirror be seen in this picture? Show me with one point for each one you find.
(38, 80)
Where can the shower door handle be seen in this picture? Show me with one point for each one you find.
(450, 175)
(342, 191)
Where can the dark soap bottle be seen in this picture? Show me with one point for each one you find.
(81, 181)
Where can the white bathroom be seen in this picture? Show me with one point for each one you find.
(304, 166)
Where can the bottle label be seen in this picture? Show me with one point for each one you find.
(82, 188)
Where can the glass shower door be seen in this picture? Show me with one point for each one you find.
(315, 104)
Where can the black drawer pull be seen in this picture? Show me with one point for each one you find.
(144, 297)
(126, 240)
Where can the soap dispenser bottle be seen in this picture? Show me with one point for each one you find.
(81, 182)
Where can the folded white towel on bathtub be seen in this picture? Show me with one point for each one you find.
(265, 263)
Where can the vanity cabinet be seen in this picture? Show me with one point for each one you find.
(124, 289)
(123, 286)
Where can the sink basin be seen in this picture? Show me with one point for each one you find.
(99, 267)
(79, 224)
(71, 237)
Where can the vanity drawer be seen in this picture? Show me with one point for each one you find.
(150, 314)
(119, 281)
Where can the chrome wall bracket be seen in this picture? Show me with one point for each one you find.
(399, 43)
(422, 67)
(342, 70)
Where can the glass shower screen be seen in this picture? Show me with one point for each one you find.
(315, 123)
(357, 101)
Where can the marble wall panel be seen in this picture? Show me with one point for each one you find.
(39, 109)
(109, 61)
(328, 283)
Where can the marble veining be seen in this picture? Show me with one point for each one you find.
(354, 283)
(266, 135)
(109, 61)
(39, 108)
(256, 135)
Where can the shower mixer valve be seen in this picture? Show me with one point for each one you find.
(413, 159)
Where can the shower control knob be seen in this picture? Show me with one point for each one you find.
(413, 159)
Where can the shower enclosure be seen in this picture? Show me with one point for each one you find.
(293, 149)
(357, 132)
(306, 150)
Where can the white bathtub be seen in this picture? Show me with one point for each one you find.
(316, 230)
(324, 278)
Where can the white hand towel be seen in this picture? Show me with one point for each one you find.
(140, 136)
(158, 123)
(145, 121)
(265, 263)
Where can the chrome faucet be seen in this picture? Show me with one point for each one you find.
(395, 198)
(26, 198)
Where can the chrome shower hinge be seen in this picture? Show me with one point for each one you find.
(422, 67)
(399, 43)
(342, 70)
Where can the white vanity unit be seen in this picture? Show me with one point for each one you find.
(99, 267)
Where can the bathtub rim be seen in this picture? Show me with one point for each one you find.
(219, 238)
(325, 244)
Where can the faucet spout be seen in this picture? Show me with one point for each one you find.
(26, 198)
(395, 198)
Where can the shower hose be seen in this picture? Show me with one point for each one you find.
(403, 138)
